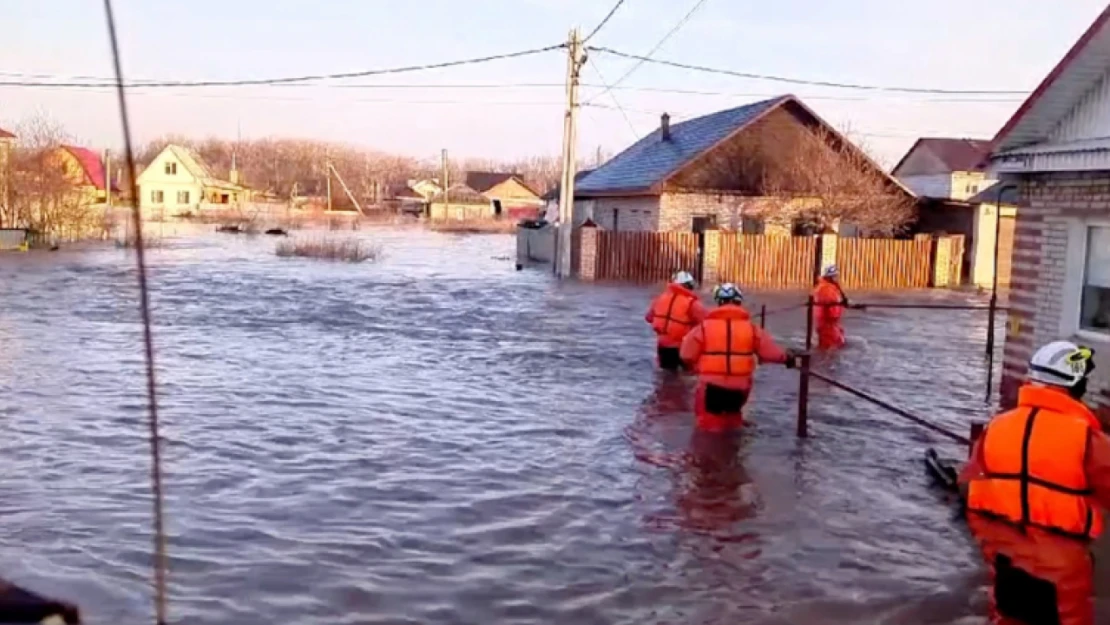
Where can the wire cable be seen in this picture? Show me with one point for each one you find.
(604, 21)
(801, 81)
(294, 79)
(659, 44)
(613, 96)
(160, 560)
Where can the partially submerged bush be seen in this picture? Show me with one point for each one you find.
(351, 250)
(128, 242)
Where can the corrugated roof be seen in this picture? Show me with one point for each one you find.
(1061, 89)
(649, 161)
(954, 154)
(91, 164)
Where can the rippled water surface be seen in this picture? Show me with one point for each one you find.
(437, 438)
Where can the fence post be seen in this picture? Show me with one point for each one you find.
(942, 259)
(803, 395)
(587, 254)
(711, 257)
(829, 244)
(809, 323)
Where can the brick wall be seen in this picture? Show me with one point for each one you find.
(1049, 204)
(677, 210)
(633, 214)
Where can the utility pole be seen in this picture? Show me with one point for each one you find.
(327, 171)
(446, 182)
(576, 58)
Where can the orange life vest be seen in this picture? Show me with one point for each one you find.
(671, 312)
(1034, 464)
(729, 346)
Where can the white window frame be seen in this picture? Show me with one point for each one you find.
(1076, 276)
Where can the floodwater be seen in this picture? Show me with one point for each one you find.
(438, 438)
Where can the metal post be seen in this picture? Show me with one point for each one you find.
(763, 316)
(809, 323)
(803, 395)
(994, 290)
(977, 428)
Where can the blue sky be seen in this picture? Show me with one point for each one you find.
(951, 44)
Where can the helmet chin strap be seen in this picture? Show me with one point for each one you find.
(1079, 389)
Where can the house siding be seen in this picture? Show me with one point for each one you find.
(1089, 118)
(1051, 204)
(931, 185)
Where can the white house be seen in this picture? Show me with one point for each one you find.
(945, 168)
(1056, 151)
(178, 182)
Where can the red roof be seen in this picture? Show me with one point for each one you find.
(4, 134)
(955, 154)
(1053, 76)
(91, 164)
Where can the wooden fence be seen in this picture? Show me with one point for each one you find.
(644, 256)
(766, 262)
(885, 263)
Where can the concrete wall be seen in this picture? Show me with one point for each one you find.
(535, 245)
(1056, 210)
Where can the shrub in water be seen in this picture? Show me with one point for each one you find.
(349, 250)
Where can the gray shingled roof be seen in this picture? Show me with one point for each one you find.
(651, 160)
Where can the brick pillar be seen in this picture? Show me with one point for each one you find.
(942, 261)
(712, 257)
(587, 254)
(828, 250)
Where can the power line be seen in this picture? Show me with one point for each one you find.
(659, 44)
(612, 95)
(293, 79)
(605, 21)
(801, 81)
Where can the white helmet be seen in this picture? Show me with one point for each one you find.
(1062, 363)
(832, 271)
(685, 279)
(728, 293)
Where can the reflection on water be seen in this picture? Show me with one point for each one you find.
(438, 438)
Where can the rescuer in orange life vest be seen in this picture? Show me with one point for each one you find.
(724, 351)
(829, 304)
(672, 315)
(1034, 486)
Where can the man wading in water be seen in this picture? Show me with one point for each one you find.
(1034, 485)
(725, 350)
(672, 315)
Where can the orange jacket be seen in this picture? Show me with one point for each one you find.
(674, 313)
(829, 300)
(1033, 465)
(725, 348)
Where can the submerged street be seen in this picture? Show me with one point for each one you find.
(437, 438)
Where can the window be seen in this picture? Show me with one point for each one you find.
(157, 197)
(171, 168)
(1094, 307)
(182, 197)
(972, 189)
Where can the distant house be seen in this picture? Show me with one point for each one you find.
(406, 200)
(426, 187)
(85, 169)
(707, 172)
(949, 176)
(7, 144)
(459, 202)
(507, 193)
(179, 182)
(1055, 150)
(945, 168)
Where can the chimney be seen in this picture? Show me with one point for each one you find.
(233, 174)
(665, 126)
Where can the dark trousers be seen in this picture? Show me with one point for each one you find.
(724, 401)
(669, 360)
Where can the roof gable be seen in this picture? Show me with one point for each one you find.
(935, 155)
(647, 163)
(1061, 90)
(91, 166)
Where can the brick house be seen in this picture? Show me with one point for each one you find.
(689, 176)
(1056, 152)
